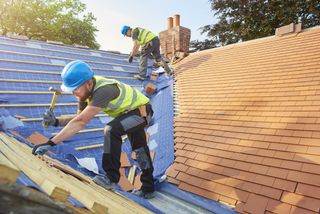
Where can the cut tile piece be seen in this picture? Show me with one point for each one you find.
(137, 183)
(124, 160)
(36, 138)
(125, 184)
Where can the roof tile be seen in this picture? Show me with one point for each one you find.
(256, 204)
(312, 168)
(308, 190)
(301, 201)
(304, 177)
(276, 206)
(201, 157)
(199, 191)
(171, 171)
(254, 132)
(251, 187)
(297, 210)
(271, 192)
(180, 160)
(227, 200)
(277, 172)
(260, 169)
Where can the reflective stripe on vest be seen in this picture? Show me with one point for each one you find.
(145, 36)
(128, 99)
(120, 99)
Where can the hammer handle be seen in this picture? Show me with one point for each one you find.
(53, 101)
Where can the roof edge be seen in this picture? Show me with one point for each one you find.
(254, 41)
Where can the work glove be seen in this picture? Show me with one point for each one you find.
(42, 148)
(130, 59)
(49, 119)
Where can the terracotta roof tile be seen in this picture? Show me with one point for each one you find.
(125, 184)
(247, 131)
(256, 204)
(180, 160)
(271, 192)
(173, 181)
(278, 172)
(199, 191)
(282, 184)
(308, 190)
(304, 178)
(124, 160)
(312, 168)
(276, 206)
(171, 171)
(36, 138)
(301, 201)
(297, 210)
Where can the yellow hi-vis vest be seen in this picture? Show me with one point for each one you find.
(145, 36)
(128, 99)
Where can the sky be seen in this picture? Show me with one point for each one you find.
(150, 14)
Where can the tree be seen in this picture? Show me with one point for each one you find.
(244, 20)
(57, 20)
(197, 45)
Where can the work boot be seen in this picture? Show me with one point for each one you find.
(166, 67)
(170, 73)
(137, 76)
(104, 181)
(145, 195)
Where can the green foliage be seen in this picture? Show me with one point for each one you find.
(197, 45)
(242, 20)
(57, 20)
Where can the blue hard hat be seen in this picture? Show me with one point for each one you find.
(124, 29)
(74, 74)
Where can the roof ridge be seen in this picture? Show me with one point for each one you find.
(253, 41)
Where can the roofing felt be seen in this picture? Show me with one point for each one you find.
(247, 124)
(29, 68)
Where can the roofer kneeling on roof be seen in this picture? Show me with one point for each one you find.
(150, 45)
(129, 108)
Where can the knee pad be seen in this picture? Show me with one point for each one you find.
(143, 158)
(107, 139)
(105, 161)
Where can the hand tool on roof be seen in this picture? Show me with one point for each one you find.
(53, 101)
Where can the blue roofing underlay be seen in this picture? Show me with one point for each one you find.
(160, 131)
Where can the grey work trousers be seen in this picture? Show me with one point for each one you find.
(151, 48)
(132, 124)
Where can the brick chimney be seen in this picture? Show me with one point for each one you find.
(170, 23)
(175, 41)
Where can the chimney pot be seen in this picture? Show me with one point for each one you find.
(176, 20)
(170, 23)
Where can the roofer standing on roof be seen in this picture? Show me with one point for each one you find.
(129, 108)
(150, 44)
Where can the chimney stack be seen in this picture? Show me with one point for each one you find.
(176, 20)
(175, 41)
(170, 23)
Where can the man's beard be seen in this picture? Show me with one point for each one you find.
(86, 95)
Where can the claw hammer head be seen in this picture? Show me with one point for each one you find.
(53, 101)
(54, 97)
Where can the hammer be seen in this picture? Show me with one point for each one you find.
(54, 99)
